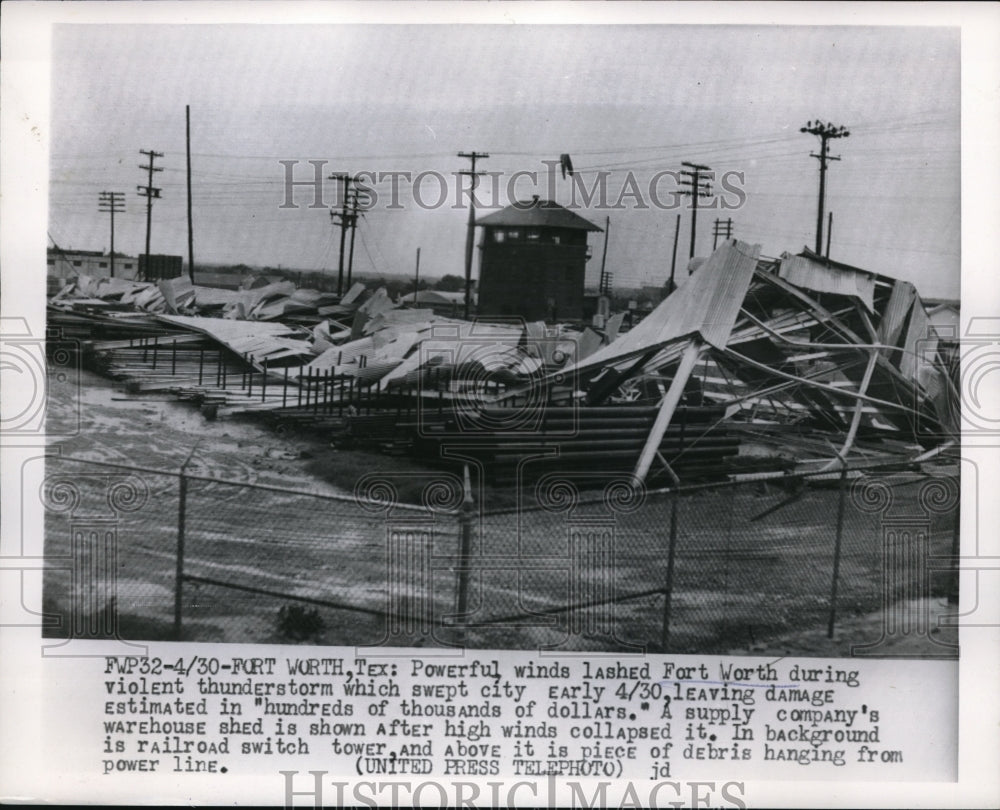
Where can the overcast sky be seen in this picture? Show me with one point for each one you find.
(637, 99)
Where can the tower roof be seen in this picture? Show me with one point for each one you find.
(538, 214)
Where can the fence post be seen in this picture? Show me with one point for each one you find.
(465, 516)
(836, 552)
(668, 586)
(179, 577)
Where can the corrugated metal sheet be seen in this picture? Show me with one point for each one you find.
(706, 305)
(226, 330)
(257, 339)
(900, 300)
(812, 275)
(212, 297)
(461, 342)
(920, 345)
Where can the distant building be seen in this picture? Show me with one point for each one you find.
(254, 281)
(448, 304)
(213, 277)
(944, 315)
(653, 294)
(533, 257)
(158, 266)
(65, 264)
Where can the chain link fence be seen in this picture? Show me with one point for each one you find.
(585, 562)
(718, 568)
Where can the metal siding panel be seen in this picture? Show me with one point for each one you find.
(707, 305)
(920, 339)
(811, 275)
(900, 301)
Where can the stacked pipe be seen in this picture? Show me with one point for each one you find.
(608, 438)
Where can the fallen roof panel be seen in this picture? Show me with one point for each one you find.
(813, 275)
(707, 304)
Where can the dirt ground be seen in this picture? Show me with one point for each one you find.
(741, 586)
(159, 432)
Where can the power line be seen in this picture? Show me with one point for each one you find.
(723, 228)
(346, 180)
(150, 194)
(825, 132)
(471, 232)
(354, 213)
(696, 188)
(111, 202)
(371, 261)
(190, 221)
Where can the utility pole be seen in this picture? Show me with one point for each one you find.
(150, 194)
(825, 132)
(187, 133)
(829, 233)
(724, 228)
(353, 225)
(673, 260)
(346, 178)
(416, 280)
(696, 188)
(471, 232)
(603, 286)
(111, 202)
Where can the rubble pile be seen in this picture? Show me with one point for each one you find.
(752, 365)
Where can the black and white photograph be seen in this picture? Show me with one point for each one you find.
(638, 352)
(561, 337)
